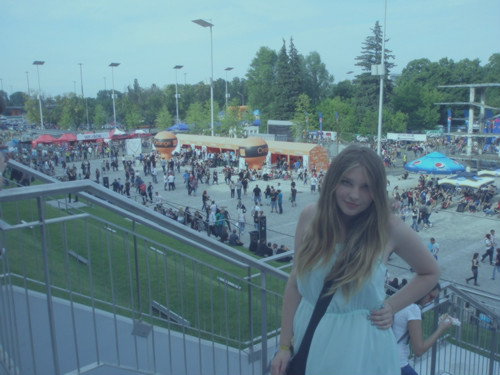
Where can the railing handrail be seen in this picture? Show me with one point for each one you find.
(123, 206)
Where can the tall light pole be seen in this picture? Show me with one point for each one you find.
(228, 69)
(177, 67)
(83, 96)
(380, 70)
(204, 23)
(38, 63)
(28, 79)
(113, 65)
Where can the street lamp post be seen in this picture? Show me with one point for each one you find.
(38, 63)
(177, 67)
(28, 79)
(113, 65)
(228, 69)
(380, 70)
(204, 23)
(83, 96)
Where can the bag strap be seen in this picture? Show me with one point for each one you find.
(319, 310)
(405, 335)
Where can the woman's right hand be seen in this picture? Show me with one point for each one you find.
(280, 361)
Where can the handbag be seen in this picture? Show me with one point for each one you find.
(297, 364)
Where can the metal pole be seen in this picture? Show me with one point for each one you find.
(113, 95)
(211, 83)
(472, 96)
(176, 100)
(83, 96)
(226, 92)
(28, 79)
(113, 65)
(50, 308)
(177, 67)
(381, 99)
(229, 68)
(39, 96)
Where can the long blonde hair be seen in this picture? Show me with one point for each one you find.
(365, 237)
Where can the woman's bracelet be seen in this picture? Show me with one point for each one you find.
(285, 348)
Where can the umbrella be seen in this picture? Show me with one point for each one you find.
(435, 163)
(180, 127)
(495, 173)
(467, 180)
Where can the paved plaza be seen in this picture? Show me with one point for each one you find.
(458, 234)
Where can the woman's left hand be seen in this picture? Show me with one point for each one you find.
(383, 317)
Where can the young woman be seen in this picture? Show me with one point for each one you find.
(474, 268)
(347, 237)
(407, 328)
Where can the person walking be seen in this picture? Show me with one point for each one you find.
(242, 220)
(488, 246)
(496, 267)
(293, 197)
(280, 201)
(433, 247)
(474, 268)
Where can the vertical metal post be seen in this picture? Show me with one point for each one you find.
(50, 307)
(382, 75)
(211, 83)
(136, 259)
(472, 95)
(263, 323)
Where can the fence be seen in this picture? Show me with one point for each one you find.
(107, 285)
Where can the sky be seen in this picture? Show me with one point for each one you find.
(149, 37)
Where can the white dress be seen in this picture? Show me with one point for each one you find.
(345, 341)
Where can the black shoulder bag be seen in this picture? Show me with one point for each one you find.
(297, 364)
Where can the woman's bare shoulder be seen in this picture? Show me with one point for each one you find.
(308, 211)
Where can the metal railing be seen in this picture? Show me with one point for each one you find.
(106, 283)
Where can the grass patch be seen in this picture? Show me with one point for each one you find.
(126, 271)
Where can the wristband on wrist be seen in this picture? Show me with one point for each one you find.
(285, 348)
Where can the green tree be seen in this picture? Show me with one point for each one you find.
(417, 101)
(260, 81)
(164, 119)
(32, 110)
(154, 101)
(368, 86)
(100, 116)
(318, 83)
(491, 75)
(18, 99)
(198, 118)
(284, 103)
(394, 122)
(300, 120)
(338, 115)
(296, 74)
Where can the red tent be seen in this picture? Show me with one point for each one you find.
(44, 138)
(68, 137)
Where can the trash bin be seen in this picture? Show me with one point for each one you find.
(105, 182)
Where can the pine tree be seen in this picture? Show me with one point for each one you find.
(372, 51)
(282, 110)
(296, 71)
(368, 86)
